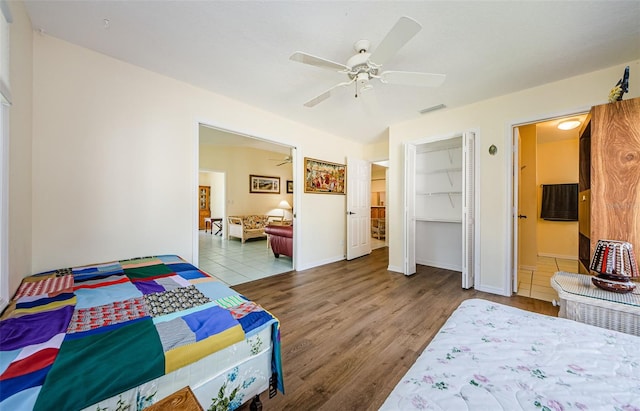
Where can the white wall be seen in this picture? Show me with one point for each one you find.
(20, 235)
(115, 161)
(218, 188)
(492, 119)
(557, 164)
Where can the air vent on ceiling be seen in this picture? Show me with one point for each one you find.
(432, 108)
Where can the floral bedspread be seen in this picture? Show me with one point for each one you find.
(489, 356)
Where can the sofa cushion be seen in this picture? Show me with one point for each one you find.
(279, 230)
(252, 222)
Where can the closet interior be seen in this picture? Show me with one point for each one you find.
(439, 204)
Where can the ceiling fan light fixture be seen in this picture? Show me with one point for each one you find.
(569, 124)
(366, 66)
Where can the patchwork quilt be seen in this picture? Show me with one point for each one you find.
(73, 337)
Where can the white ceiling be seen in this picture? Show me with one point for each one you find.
(241, 49)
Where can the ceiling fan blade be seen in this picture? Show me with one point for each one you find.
(400, 34)
(409, 78)
(305, 58)
(322, 97)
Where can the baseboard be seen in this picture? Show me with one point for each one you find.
(437, 264)
(562, 256)
(395, 269)
(492, 290)
(319, 263)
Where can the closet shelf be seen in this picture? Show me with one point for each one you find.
(439, 171)
(457, 146)
(443, 193)
(440, 193)
(439, 220)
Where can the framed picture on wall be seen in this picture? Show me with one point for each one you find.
(264, 184)
(323, 177)
(289, 186)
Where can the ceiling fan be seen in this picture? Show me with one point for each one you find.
(365, 66)
(283, 161)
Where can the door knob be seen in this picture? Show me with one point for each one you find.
(350, 212)
(522, 216)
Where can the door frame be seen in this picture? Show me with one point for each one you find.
(297, 175)
(513, 166)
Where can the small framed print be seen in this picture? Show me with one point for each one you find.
(264, 184)
(289, 186)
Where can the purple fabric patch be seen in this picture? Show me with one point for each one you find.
(34, 328)
(209, 322)
(148, 287)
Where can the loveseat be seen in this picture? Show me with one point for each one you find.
(247, 226)
(280, 239)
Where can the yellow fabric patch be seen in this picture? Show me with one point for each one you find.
(182, 356)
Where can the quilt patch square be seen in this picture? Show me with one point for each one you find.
(96, 271)
(33, 329)
(140, 262)
(133, 347)
(175, 300)
(148, 271)
(90, 297)
(45, 286)
(90, 318)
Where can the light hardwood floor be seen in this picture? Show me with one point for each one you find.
(351, 329)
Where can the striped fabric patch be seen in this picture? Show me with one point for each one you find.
(47, 286)
(230, 301)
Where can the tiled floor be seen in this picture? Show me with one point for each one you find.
(375, 243)
(235, 263)
(537, 283)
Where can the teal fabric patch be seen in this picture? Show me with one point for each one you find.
(157, 270)
(110, 362)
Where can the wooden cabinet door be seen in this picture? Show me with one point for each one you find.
(204, 204)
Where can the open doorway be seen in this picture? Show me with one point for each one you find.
(379, 173)
(226, 162)
(546, 158)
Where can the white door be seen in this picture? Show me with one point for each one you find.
(358, 208)
(468, 209)
(409, 243)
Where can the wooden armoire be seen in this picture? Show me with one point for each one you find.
(609, 178)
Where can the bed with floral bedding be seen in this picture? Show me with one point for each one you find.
(125, 334)
(489, 356)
